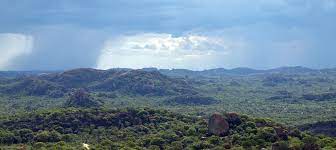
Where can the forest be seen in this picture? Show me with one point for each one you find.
(283, 108)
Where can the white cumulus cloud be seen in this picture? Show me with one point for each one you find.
(13, 46)
(164, 51)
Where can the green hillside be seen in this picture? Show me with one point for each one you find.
(147, 129)
(292, 98)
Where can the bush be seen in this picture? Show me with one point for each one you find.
(157, 141)
(188, 141)
(39, 145)
(202, 145)
(26, 135)
(215, 140)
(7, 137)
(283, 145)
(310, 143)
(267, 133)
(325, 142)
(175, 145)
(46, 136)
(295, 143)
(191, 131)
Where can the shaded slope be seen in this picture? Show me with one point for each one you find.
(325, 128)
(33, 86)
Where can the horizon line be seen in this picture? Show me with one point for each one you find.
(251, 68)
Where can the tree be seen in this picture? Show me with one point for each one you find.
(46, 136)
(26, 135)
(267, 133)
(157, 141)
(310, 143)
(39, 145)
(295, 143)
(42, 136)
(7, 137)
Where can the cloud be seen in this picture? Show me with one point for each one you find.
(164, 51)
(13, 46)
(65, 38)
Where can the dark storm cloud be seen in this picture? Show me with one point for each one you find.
(68, 34)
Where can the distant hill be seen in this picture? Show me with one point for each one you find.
(147, 81)
(136, 82)
(143, 83)
(76, 78)
(33, 86)
(15, 74)
(241, 71)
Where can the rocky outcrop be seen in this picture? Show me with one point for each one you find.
(218, 125)
(81, 98)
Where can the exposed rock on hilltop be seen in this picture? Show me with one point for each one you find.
(218, 125)
(81, 98)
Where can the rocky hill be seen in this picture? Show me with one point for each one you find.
(136, 82)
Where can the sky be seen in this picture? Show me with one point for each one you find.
(191, 34)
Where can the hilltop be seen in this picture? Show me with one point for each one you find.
(136, 82)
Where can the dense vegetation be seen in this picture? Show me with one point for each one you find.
(325, 127)
(294, 96)
(147, 128)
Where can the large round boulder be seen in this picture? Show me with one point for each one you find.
(218, 125)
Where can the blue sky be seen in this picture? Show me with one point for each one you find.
(193, 34)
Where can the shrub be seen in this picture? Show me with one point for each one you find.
(7, 137)
(157, 141)
(39, 145)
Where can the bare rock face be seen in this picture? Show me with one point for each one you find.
(81, 98)
(218, 125)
